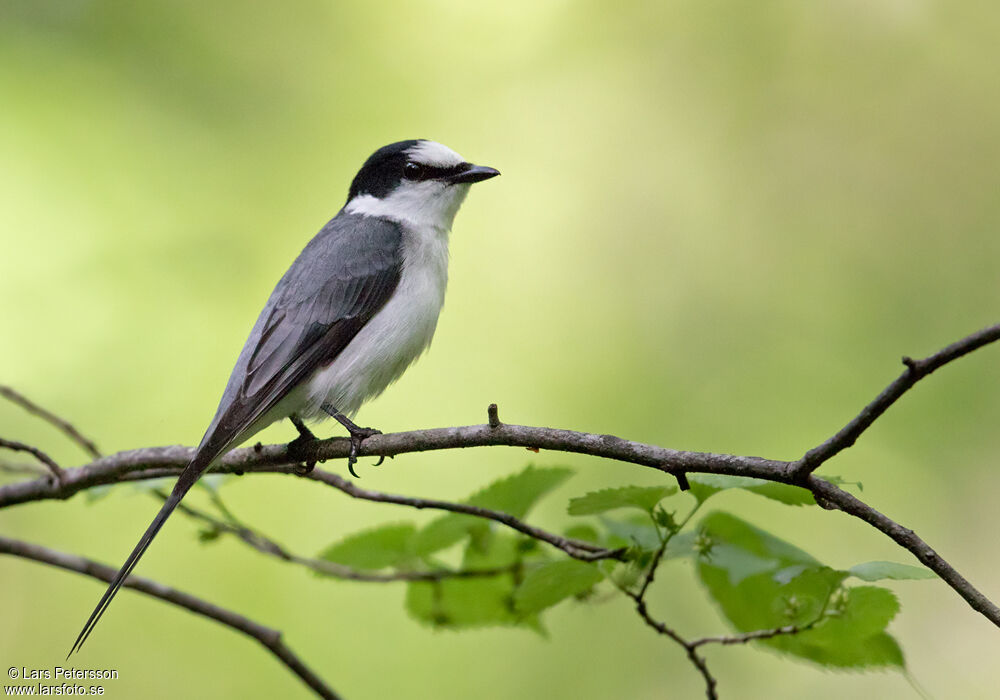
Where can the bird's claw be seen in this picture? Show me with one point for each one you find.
(299, 450)
(357, 437)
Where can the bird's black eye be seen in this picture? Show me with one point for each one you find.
(413, 171)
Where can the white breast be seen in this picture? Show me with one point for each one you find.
(396, 335)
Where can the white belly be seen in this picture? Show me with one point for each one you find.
(394, 337)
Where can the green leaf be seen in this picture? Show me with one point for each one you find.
(548, 584)
(761, 582)
(473, 602)
(458, 603)
(879, 570)
(497, 550)
(517, 493)
(631, 531)
(704, 486)
(853, 635)
(377, 548)
(642, 497)
(729, 529)
(841, 481)
(681, 545)
(443, 532)
(514, 494)
(738, 563)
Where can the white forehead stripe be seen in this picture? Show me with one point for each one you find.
(434, 154)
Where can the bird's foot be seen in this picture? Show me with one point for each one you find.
(303, 449)
(359, 435)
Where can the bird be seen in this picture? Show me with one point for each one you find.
(357, 306)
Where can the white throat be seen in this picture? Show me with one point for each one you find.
(422, 205)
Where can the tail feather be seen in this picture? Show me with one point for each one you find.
(184, 483)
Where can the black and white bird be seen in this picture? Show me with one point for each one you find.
(355, 309)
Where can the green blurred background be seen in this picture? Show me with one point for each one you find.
(718, 228)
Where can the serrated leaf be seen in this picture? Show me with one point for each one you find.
(631, 531)
(550, 583)
(761, 582)
(879, 570)
(514, 494)
(704, 486)
(517, 493)
(497, 550)
(377, 548)
(731, 530)
(642, 497)
(854, 637)
(749, 574)
(460, 603)
(442, 533)
(738, 563)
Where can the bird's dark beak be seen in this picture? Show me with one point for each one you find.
(473, 173)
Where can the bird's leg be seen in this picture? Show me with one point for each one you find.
(358, 435)
(299, 446)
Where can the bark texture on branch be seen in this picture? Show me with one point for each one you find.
(158, 462)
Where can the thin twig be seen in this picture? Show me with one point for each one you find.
(50, 464)
(269, 638)
(692, 654)
(750, 636)
(578, 549)
(914, 372)
(661, 550)
(907, 539)
(270, 547)
(158, 462)
(65, 426)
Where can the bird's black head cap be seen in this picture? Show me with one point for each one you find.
(383, 170)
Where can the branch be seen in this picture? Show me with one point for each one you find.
(691, 649)
(639, 598)
(750, 636)
(267, 546)
(151, 463)
(914, 372)
(578, 549)
(56, 471)
(65, 426)
(909, 540)
(269, 638)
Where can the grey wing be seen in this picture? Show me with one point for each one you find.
(342, 278)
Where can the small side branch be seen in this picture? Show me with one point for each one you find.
(61, 424)
(157, 462)
(914, 372)
(578, 549)
(57, 473)
(268, 546)
(909, 540)
(699, 662)
(749, 636)
(269, 638)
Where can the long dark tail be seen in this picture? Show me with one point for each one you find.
(184, 483)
